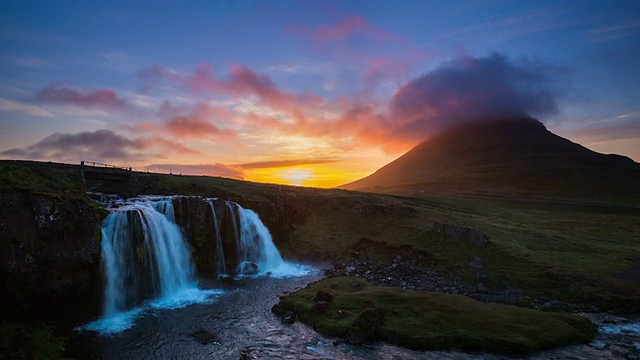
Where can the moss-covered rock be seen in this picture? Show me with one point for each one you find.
(429, 321)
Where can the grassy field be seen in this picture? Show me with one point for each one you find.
(572, 251)
(430, 321)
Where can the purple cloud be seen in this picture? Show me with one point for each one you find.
(88, 98)
(472, 89)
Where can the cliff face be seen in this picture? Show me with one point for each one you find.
(49, 257)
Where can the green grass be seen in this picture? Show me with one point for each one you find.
(29, 341)
(40, 180)
(566, 250)
(430, 321)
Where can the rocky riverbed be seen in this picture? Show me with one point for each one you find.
(412, 270)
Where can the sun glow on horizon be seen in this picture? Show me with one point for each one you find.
(319, 175)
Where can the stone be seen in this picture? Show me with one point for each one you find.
(476, 263)
(342, 314)
(289, 318)
(477, 237)
(249, 268)
(320, 307)
(226, 279)
(204, 336)
(366, 326)
(324, 295)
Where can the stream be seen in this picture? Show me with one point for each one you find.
(155, 307)
(238, 322)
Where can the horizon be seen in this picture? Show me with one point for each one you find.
(308, 93)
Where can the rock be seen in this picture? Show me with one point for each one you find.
(349, 269)
(324, 295)
(226, 279)
(204, 336)
(248, 268)
(289, 318)
(320, 307)
(366, 326)
(476, 263)
(342, 314)
(474, 236)
(482, 288)
(248, 354)
(50, 266)
(477, 237)
(555, 306)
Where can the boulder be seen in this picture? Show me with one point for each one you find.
(248, 268)
(324, 295)
(320, 307)
(366, 326)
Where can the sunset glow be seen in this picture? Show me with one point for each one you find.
(305, 93)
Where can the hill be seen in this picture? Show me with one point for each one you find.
(506, 157)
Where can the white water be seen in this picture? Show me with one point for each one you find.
(621, 328)
(166, 254)
(222, 268)
(256, 246)
(148, 265)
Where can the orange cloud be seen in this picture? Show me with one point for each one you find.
(283, 163)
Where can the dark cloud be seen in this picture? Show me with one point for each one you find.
(471, 89)
(210, 170)
(101, 145)
(87, 98)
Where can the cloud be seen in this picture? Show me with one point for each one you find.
(86, 98)
(12, 106)
(283, 163)
(472, 89)
(195, 126)
(100, 145)
(209, 170)
(173, 146)
(344, 30)
(625, 130)
(240, 81)
(28, 62)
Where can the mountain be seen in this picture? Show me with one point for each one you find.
(506, 157)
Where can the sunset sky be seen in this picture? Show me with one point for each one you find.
(314, 93)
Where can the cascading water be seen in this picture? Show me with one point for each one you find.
(234, 222)
(222, 268)
(145, 257)
(256, 246)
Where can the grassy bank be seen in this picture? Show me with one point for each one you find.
(429, 321)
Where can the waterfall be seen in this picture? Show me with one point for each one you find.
(145, 257)
(222, 268)
(231, 206)
(256, 244)
(147, 261)
(161, 256)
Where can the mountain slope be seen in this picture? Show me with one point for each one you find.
(506, 157)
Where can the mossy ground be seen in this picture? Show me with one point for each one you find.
(30, 341)
(429, 321)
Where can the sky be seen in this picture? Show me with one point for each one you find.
(311, 93)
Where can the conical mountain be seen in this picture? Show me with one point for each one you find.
(506, 157)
